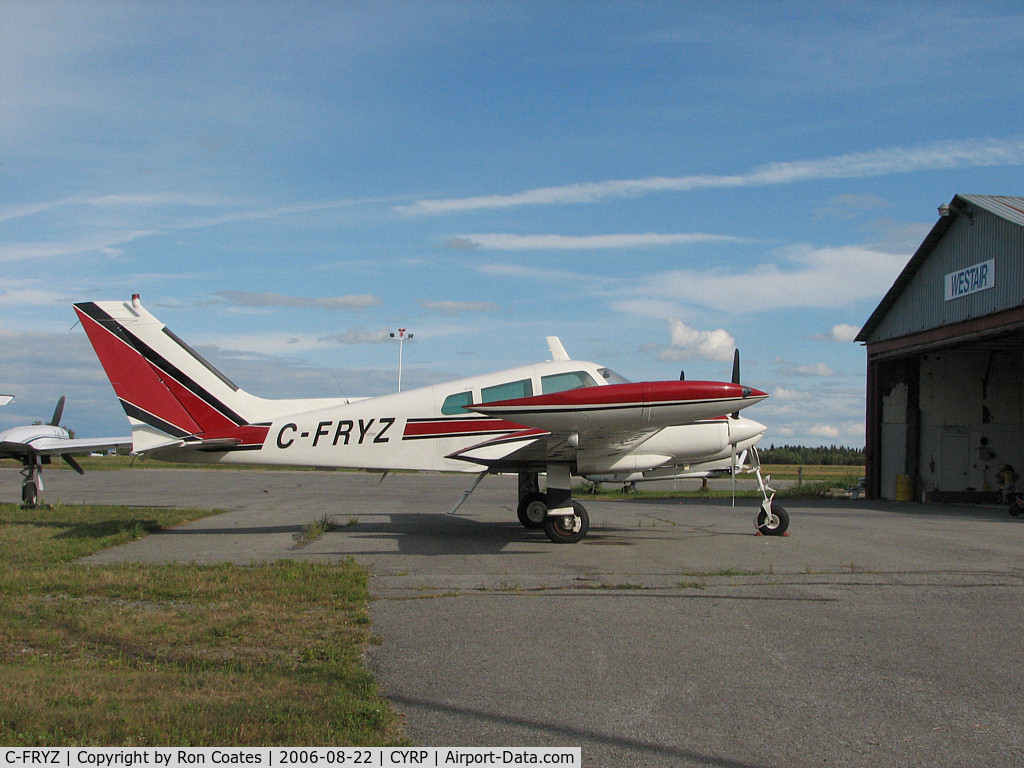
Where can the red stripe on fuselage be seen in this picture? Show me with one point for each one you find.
(633, 393)
(457, 427)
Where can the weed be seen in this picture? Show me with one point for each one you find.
(315, 530)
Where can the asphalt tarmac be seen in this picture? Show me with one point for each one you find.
(875, 634)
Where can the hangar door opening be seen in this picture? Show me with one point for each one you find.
(949, 418)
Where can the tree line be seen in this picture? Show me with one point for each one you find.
(834, 455)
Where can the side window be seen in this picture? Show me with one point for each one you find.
(510, 391)
(560, 382)
(452, 405)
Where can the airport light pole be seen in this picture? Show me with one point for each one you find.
(402, 337)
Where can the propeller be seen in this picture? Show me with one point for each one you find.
(58, 412)
(55, 422)
(72, 463)
(736, 375)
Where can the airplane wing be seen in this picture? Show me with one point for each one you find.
(75, 445)
(55, 446)
(607, 422)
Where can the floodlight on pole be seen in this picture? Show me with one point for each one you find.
(402, 337)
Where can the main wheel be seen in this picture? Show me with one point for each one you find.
(533, 509)
(29, 494)
(774, 524)
(568, 529)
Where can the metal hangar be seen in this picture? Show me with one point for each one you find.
(945, 359)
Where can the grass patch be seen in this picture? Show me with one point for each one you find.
(183, 655)
(119, 462)
(817, 482)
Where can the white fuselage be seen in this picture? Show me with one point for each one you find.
(420, 429)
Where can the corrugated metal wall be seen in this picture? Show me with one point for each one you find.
(969, 241)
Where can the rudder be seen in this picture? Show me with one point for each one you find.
(171, 395)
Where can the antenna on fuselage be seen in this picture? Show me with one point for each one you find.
(556, 349)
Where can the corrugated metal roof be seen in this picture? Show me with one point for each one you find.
(1008, 208)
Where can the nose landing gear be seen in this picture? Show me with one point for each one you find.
(772, 519)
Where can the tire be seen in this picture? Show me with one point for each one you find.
(533, 509)
(1014, 509)
(777, 526)
(568, 529)
(29, 494)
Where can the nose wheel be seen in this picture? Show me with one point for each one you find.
(772, 519)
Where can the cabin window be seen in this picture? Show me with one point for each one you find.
(510, 391)
(611, 376)
(452, 405)
(560, 382)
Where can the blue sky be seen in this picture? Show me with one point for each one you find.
(656, 182)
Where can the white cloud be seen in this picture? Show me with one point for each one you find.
(812, 370)
(647, 307)
(824, 430)
(251, 299)
(451, 308)
(880, 162)
(781, 393)
(507, 242)
(843, 333)
(273, 343)
(799, 276)
(103, 242)
(850, 206)
(358, 335)
(25, 296)
(688, 343)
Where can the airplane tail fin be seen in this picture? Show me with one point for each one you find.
(172, 396)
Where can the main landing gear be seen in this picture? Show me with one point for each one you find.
(31, 483)
(564, 520)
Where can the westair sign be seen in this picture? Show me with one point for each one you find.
(979, 277)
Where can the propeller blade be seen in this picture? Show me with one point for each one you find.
(72, 463)
(58, 412)
(736, 375)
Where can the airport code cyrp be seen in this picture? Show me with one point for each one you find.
(385, 757)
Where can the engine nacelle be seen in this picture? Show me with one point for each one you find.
(623, 464)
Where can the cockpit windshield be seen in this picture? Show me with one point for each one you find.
(611, 376)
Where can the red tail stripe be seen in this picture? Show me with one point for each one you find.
(208, 418)
(134, 379)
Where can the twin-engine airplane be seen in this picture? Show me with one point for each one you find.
(35, 445)
(559, 418)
